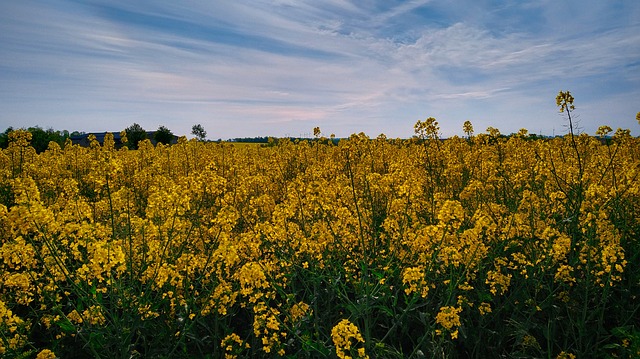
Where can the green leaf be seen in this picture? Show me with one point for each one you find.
(66, 326)
(317, 347)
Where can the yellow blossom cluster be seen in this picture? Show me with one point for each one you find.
(413, 280)
(248, 250)
(46, 354)
(346, 337)
(233, 345)
(449, 318)
(13, 330)
(299, 311)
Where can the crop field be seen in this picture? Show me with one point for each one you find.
(476, 247)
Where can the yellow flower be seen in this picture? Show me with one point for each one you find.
(266, 326)
(604, 130)
(561, 247)
(251, 277)
(467, 127)
(345, 335)
(413, 279)
(233, 345)
(449, 318)
(564, 274)
(11, 324)
(530, 341)
(565, 355)
(451, 213)
(484, 308)
(564, 100)
(94, 315)
(46, 354)
(298, 311)
(74, 317)
(498, 280)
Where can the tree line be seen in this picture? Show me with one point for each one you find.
(40, 138)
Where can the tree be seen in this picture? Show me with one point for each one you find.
(135, 133)
(163, 135)
(199, 132)
(4, 138)
(39, 139)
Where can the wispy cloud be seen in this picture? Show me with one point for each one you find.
(400, 9)
(270, 68)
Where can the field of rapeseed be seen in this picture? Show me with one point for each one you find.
(483, 246)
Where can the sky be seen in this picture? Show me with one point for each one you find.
(282, 67)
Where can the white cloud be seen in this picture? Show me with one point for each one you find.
(332, 64)
(403, 8)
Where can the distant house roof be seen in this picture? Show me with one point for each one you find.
(99, 136)
(83, 139)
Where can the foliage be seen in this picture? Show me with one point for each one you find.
(480, 247)
(163, 135)
(40, 138)
(199, 132)
(4, 137)
(250, 139)
(134, 134)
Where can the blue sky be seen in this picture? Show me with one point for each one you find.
(282, 67)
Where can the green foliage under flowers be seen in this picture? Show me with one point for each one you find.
(479, 247)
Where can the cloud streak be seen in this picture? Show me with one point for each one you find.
(272, 68)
